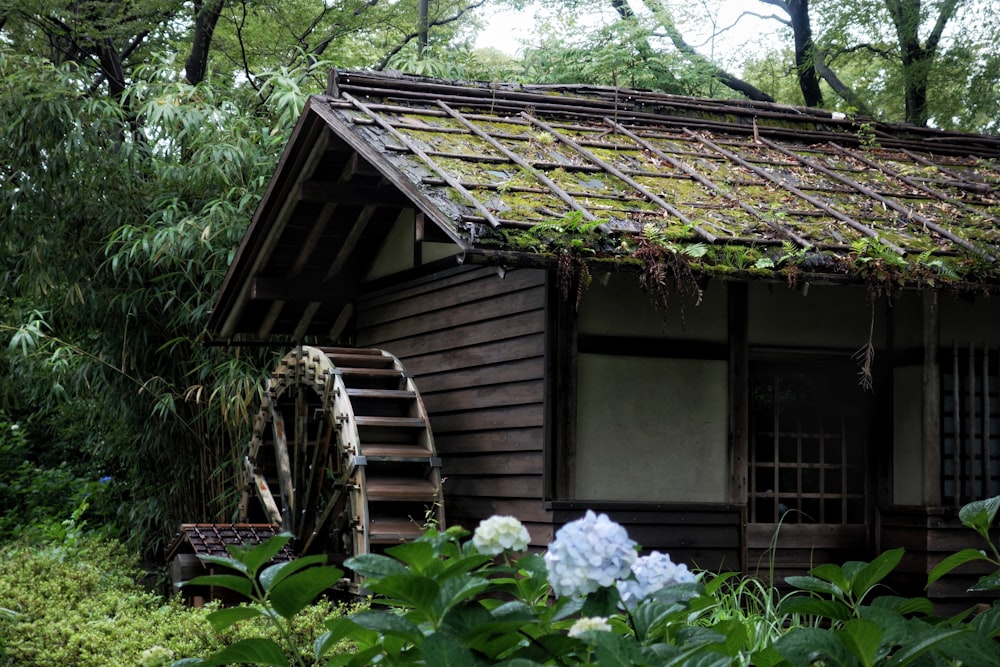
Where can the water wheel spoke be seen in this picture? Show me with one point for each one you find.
(358, 470)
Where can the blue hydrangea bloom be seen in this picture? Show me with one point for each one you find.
(589, 553)
(650, 574)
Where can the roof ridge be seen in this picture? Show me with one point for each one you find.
(589, 100)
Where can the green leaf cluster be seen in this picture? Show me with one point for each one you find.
(81, 603)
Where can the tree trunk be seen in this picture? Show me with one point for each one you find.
(917, 59)
(205, 19)
(798, 12)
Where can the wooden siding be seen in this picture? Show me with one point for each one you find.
(475, 343)
(801, 547)
(930, 534)
(705, 535)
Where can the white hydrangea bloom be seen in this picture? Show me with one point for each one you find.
(589, 553)
(589, 624)
(650, 574)
(156, 656)
(500, 533)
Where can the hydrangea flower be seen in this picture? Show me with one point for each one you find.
(589, 624)
(500, 533)
(589, 553)
(156, 656)
(650, 574)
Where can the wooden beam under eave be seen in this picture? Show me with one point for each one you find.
(294, 290)
(305, 252)
(273, 226)
(346, 250)
(931, 402)
(353, 194)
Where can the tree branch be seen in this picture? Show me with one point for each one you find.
(665, 20)
(838, 86)
(948, 10)
(382, 64)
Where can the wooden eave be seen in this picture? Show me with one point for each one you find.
(759, 189)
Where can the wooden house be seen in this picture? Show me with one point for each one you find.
(704, 318)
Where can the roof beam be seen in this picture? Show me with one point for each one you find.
(416, 150)
(521, 162)
(783, 183)
(932, 192)
(907, 213)
(292, 290)
(346, 192)
(346, 249)
(306, 249)
(277, 223)
(618, 173)
(694, 174)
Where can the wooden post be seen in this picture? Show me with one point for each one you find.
(563, 376)
(931, 403)
(739, 381)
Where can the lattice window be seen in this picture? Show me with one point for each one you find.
(807, 445)
(970, 425)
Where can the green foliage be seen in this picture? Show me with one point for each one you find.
(78, 603)
(613, 53)
(133, 221)
(439, 601)
(979, 516)
(38, 492)
(277, 593)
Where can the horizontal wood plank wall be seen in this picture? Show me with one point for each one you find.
(801, 547)
(475, 343)
(706, 536)
(929, 535)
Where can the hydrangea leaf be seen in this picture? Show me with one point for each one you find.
(255, 651)
(418, 592)
(443, 651)
(389, 623)
(863, 638)
(255, 557)
(806, 646)
(979, 515)
(375, 565)
(875, 571)
(954, 560)
(292, 594)
(224, 618)
(232, 582)
(271, 576)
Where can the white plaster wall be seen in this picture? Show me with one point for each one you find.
(614, 305)
(666, 443)
(907, 449)
(822, 316)
(396, 253)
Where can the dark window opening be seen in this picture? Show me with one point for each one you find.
(970, 425)
(808, 431)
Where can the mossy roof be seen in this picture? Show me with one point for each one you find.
(496, 160)
(523, 174)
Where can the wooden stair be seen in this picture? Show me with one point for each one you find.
(397, 464)
(343, 454)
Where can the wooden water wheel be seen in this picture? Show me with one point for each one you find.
(342, 454)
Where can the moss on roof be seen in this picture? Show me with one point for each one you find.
(757, 188)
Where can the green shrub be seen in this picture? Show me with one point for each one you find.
(77, 603)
